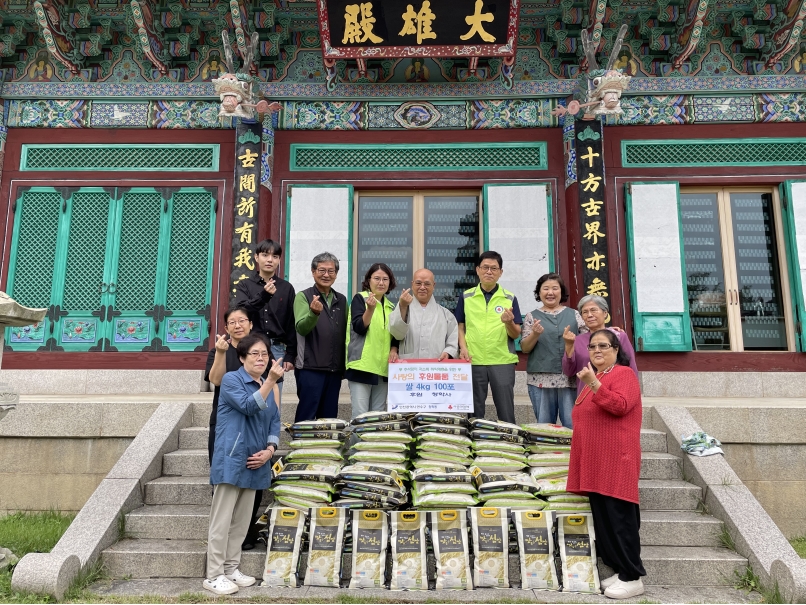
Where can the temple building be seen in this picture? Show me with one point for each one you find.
(413, 133)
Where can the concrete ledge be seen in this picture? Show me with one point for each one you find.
(754, 533)
(45, 573)
(90, 382)
(723, 384)
(77, 419)
(96, 526)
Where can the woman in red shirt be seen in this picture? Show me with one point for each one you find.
(606, 460)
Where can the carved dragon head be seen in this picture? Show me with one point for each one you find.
(603, 87)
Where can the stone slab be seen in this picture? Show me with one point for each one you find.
(761, 423)
(767, 462)
(45, 573)
(43, 492)
(702, 384)
(785, 502)
(76, 382)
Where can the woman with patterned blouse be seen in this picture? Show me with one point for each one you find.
(550, 390)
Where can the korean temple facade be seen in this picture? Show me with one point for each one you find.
(130, 207)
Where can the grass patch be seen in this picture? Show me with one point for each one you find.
(23, 533)
(725, 538)
(799, 544)
(749, 581)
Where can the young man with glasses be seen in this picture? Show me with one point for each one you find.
(489, 322)
(320, 315)
(270, 302)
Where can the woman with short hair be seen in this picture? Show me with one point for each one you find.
(247, 435)
(595, 312)
(550, 390)
(606, 460)
(369, 341)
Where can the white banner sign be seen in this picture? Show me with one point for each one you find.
(430, 386)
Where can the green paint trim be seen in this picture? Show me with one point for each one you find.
(485, 213)
(214, 149)
(626, 144)
(550, 221)
(638, 317)
(542, 146)
(793, 262)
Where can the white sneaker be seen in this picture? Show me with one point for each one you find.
(608, 582)
(240, 579)
(220, 585)
(625, 590)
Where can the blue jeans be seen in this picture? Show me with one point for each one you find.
(547, 402)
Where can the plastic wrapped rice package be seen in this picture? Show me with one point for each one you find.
(309, 471)
(549, 487)
(493, 437)
(568, 498)
(286, 526)
(576, 540)
(443, 500)
(482, 424)
(536, 549)
(441, 475)
(492, 452)
(369, 473)
(409, 570)
(548, 472)
(490, 529)
(291, 490)
(294, 502)
(326, 540)
(453, 438)
(396, 436)
(512, 494)
(498, 482)
(503, 446)
(322, 424)
(440, 429)
(498, 465)
(516, 503)
(370, 538)
(381, 446)
(571, 507)
(548, 430)
(389, 491)
(445, 458)
(368, 417)
(550, 459)
(449, 538)
(443, 447)
(448, 467)
(381, 427)
(440, 418)
(384, 457)
(357, 504)
(308, 435)
(541, 448)
(317, 453)
(423, 488)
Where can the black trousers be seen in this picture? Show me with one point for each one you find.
(616, 523)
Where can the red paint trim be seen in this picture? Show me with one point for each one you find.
(179, 360)
(721, 362)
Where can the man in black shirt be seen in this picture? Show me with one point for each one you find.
(270, 303)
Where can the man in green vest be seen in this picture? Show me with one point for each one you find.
(489, 322)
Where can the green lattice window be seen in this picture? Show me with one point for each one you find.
(119, 269)
(198, 157)
(448, 157)
(713, 152)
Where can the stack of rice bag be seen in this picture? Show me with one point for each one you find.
(306, 477)
(379, 462)
(549, 455)
(443, 454)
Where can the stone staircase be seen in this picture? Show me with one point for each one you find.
(166, 538)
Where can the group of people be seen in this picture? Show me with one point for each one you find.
(577, 371)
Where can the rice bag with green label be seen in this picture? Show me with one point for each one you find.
(395, 436)
(424, 487)
(516, 503)
(388, 457)
(378, 417)
(380, 446)
(568, 498)
(440, 429)
(538, 448)
(381, 427)
(439, 418)
(393, 491)
(440, 447)
(447, 458)
(497, 482)
(512, 494)
(322, 424)
(503, 465)
(482, 424)
(445, 437)
(357, 504)
(297, 444)
(548, 472)
(500, 446)
(550, 487)
(319, 485)
(295, 502)
(443, 500)
(550, 459)
(440, 465)
(314, 454)
(493, 437)
(295, 491)
(569, 507)
(369, 473)
(576, 540)
(438, 475)
(309, 471)
(485, 451)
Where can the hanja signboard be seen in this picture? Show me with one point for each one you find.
(418, 28)
(421, 385)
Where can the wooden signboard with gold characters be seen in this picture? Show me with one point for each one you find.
(375, 29)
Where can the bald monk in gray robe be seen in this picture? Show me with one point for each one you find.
(425, 329)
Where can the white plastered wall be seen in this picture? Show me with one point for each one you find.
(519, 230)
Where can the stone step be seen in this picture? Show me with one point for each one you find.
(288, 409)
(655, 494)
(196, 438)
(160, 558)
(190, 522)
(194, 462)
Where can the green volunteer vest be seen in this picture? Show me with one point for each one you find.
(485, 334)
(370, 353)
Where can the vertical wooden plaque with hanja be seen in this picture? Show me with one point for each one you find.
(246, 206)
(592, 221)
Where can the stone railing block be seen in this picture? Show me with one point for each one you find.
(45, 573)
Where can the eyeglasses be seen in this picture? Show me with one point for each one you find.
(419, 284)
(326, 271)
(489, 269)
(381, 280)
(237, 322)
(259, 354)
(602, 346)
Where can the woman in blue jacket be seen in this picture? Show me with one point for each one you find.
(247, 435)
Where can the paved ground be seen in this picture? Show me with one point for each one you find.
(654, 594)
